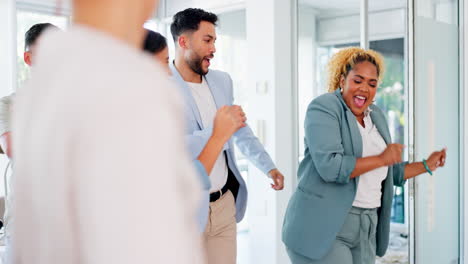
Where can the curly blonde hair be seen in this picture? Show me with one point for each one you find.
(344, 61)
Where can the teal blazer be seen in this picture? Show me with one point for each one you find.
(325, 193)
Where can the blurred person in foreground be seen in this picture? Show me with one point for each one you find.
(102, 173)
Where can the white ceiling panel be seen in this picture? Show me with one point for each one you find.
(218, 6)
(343, 7)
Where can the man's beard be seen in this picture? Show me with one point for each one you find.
(196, 65)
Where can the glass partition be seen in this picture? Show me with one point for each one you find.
(437, 125)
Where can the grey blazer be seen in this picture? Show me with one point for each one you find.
(325, 193)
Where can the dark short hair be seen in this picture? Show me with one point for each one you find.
(189, 20)
(34, 33)
(154, 42)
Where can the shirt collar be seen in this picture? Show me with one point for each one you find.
(367, 112)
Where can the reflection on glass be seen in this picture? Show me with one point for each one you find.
(437, 124)
(440, 11)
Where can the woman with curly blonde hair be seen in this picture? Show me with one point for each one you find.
(340, 211)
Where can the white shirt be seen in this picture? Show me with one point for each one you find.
(5, 126)
(101, 170)
(207, 108)
(369, 189)
(5, 113)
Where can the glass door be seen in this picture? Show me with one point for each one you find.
(436, 125)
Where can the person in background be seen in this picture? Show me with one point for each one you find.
(205, 91)
(32, 39)
(227, 121)
(340, 211)
(156, 45)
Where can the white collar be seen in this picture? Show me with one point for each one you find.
(367, 112)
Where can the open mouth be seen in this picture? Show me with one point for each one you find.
(360, 100)
(207, 60)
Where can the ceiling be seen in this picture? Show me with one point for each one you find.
(336, 7)
(323, 8)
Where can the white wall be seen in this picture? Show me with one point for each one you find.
(308, 87)
(232, 24)
(270, 61)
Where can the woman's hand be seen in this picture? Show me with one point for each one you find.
(392, 154)
(436, 159)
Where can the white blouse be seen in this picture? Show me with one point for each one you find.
(369, 189)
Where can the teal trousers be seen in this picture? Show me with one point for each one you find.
(354, 244)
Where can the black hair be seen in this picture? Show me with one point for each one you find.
(154, 42)
(34, 33)
(189, 20)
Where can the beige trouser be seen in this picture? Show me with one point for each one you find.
(220, 235)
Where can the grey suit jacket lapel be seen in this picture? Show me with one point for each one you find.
(187, 94)
(381, 124)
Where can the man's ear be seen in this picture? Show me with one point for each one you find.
(182, 40)
(27, 56)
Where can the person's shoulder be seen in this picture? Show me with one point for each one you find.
(329, 104)
(327, 101)
(377, 111)
(219, 74)
(7, 99)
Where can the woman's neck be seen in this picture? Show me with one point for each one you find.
(106, 16)
(360, 119)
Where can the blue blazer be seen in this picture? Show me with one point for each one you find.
(197, 134)
(325, 193)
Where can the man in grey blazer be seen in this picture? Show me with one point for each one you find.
(206, 91)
